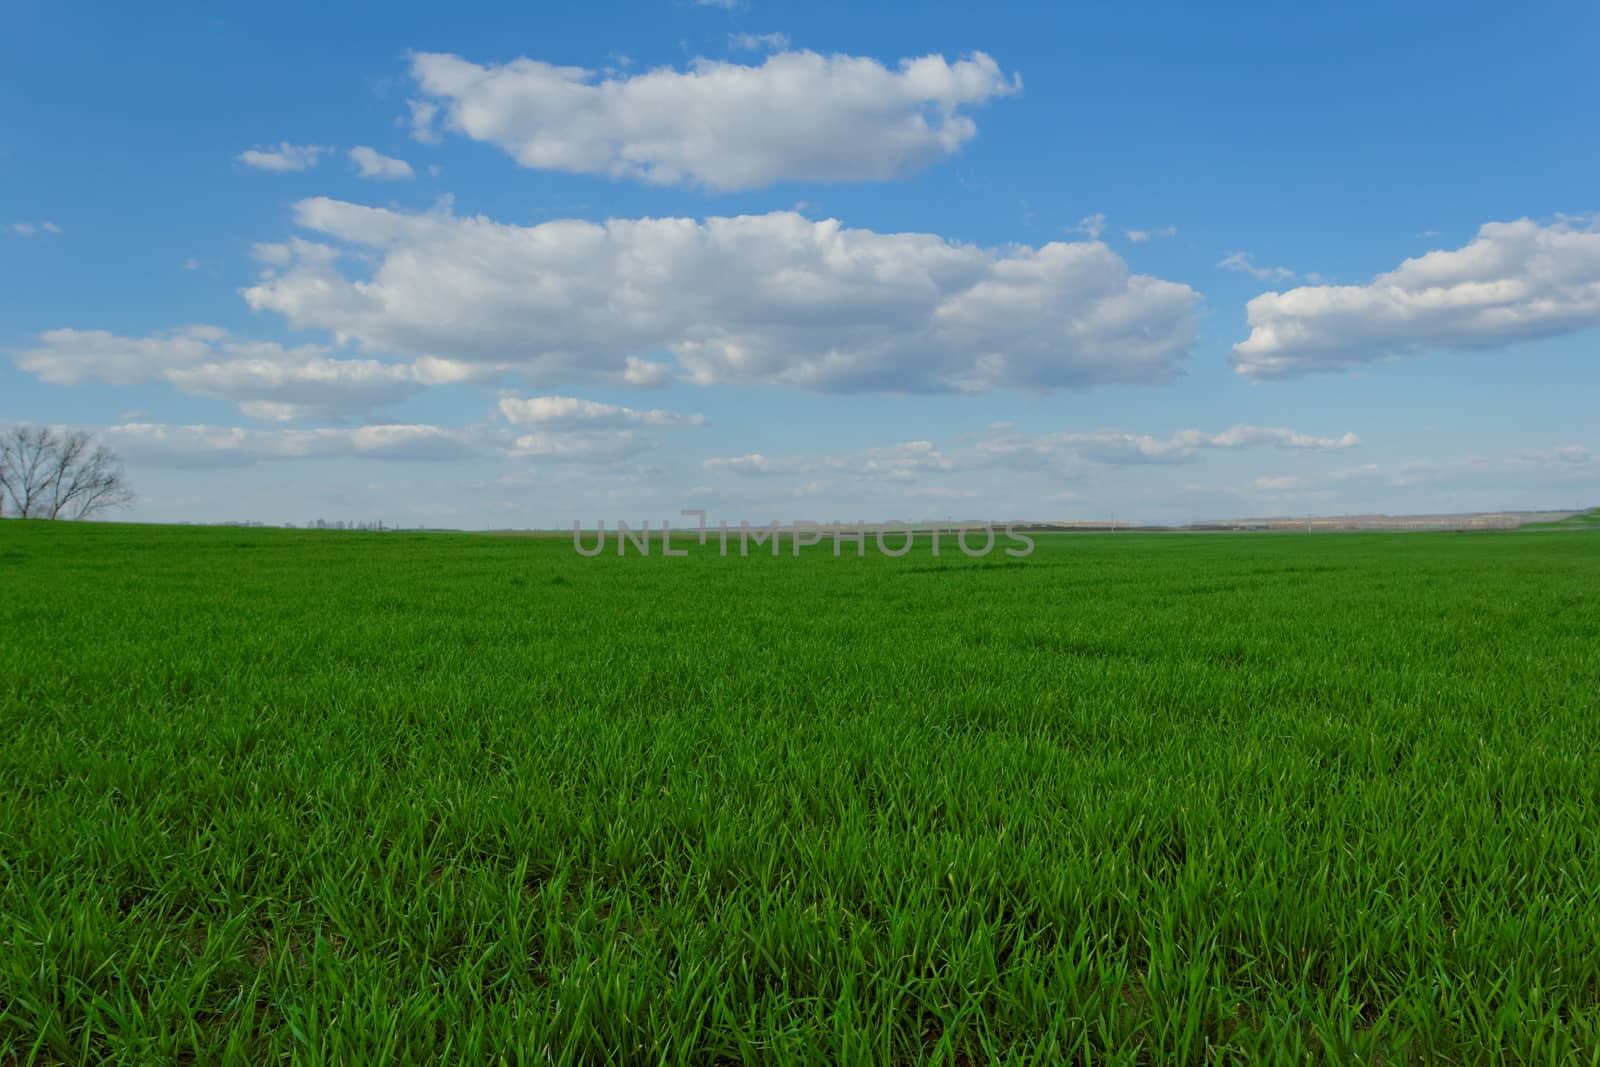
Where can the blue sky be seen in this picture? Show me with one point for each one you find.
(516, 265)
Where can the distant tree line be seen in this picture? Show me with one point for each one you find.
(50, 474)
(341, 524)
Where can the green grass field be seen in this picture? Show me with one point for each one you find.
(389, 798)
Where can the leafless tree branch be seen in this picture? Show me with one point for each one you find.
(52, 475)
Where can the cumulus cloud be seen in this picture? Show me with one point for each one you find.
(775, 299)
(370, 163)
(266, 379)
(571, 411)
(797, 116)
(1141, 236)
(1516, 281)
(284, 157)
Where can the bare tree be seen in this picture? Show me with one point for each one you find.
(45, 474)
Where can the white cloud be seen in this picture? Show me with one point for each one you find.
(231, 446)
(570, 411)
(1093, 225)
(899, 462)
(759, 42)
(911, 461)
(1141, 236)
(72, 357)
(202, 446)
(279, 385)
(1318, 485)
(272, 253)
(423, 115)
(1240, 261)
(1574, 454)
(371, 163)
(34, 229)
(1119, 447)
(644, 373)
(283, 157)
(775, 299)
(797, 116)
(602, 448)
(191, 263)
(267, 380)
(571, 430)
(1287, 483)
(1540, 477)
(753, 464)
(1252, 436)
(1516, 281)
(902, 460)
(295, 249)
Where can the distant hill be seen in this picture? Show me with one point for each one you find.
(1586, 520)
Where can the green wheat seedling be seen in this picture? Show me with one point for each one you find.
(275, 796)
